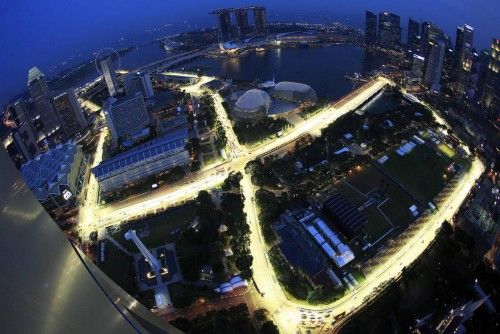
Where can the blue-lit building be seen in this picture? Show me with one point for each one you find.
(148, 159)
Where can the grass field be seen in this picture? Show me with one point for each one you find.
(161, 227)
(377, 225)
(392, 213)
(421, 171)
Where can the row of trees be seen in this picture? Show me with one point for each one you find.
(250, 133)
(207, 108)
(205, 244)
(236, 221)
(235, 320)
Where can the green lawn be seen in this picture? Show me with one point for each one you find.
(377, 225)
(421, 171)
(160, 227)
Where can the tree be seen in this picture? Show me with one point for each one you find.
(260, 314)
(232, 181)
(269, 327)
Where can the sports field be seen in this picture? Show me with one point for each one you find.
(391, 210)
(423, 171)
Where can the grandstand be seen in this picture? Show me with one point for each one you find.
(344, 215)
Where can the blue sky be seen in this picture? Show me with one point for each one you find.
(45, 33)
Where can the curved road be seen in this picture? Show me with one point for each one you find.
(287, 313)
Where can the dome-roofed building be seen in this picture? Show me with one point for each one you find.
(294, 92)
(252, 106)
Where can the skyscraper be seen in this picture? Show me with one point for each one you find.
(418, 66)
(242, 28)
(138, 82)
(430, 31)
(225, 29)
(463, 56)
(126, 116)
(109, 76)
(491, 94)
(434, 66)
(40, 94)
(70, 113)
(260, 21)
(25, 141)
(389, 30)
(370, 28)
(413, 34)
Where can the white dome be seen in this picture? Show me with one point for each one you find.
(292, 86)
(253, 99)
(254, 104)
(294, 92)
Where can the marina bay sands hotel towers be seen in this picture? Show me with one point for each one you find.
(241, 29)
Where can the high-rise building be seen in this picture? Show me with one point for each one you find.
(482, 71)
(225, 27)
(22, 144)
(491, 92)
(434, 66)
(126, 116)
(430, 31)
(242, 28)
(370, 28)
(25, 141)
(40, 94)
(463, 56)
(228, 31)
(413, 34)
(70, 113)
(418, 66)
(138, 82)
(260, 21)
(109, 76)
(389, 30)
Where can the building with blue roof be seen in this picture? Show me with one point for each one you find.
(55, 177)
(148, 159)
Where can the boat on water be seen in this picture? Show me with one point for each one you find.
(260, 50)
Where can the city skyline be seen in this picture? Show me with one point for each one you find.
(78, 38)
(279, 172)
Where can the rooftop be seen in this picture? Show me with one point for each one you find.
(34, 74)
(46, 172)
(292, 86)
(142, 152)
(253, 99)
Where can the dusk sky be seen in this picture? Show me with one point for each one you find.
(46, 33)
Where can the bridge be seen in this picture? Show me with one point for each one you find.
(173, 60)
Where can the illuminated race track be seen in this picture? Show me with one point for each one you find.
(286, 312)
(210, 177)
